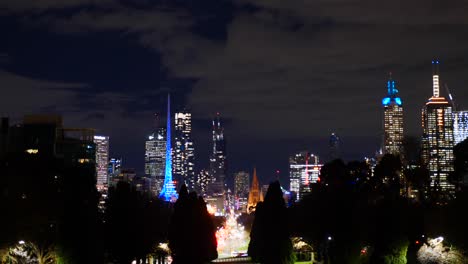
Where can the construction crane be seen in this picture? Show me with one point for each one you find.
(452, 101)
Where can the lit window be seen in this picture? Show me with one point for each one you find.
(32, 151)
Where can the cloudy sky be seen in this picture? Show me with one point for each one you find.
(283, 74)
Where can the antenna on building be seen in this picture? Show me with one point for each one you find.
(435, 79)
(156, 122)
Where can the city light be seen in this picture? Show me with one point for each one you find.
(32, 151)
(434, 251)
(232, 238)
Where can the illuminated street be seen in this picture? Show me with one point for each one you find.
(232, 239)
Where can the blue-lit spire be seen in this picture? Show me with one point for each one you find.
(392, 91)
(168, 192)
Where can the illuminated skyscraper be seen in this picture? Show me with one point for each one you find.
(393, 120)
(304, 169)
(184, 153)
(113, 169)
(155, 159)
(241, 184)
(203, 180)
(218, 168)
(102, 161)
(460, 126)
(438, 141)
(168, 192)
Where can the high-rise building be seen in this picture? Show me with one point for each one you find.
(241, 184)
(255, 195)
(304, 170)
(460, 126)
(218, 166)
(184, 153)
(155, 159)
(393, 120)
(43, 167)
(168, 192)
(437, 140)
(102, 162)
(113, 170)
(203, 180)
(334, 147)
(115, 165)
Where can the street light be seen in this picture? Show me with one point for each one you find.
(21, 242)
(329, 238)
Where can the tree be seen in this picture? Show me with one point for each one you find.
(334, 173)
(417, 178)
(135, 224)
(192, 236)
(387, 174)
(460, 176)
(269, 239)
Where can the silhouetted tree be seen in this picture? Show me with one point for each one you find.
(334, 174)
(51, 204)
(417, 178)
(269, 239)
(460, 176)
(387, 174)
(80, 229)
(135, 223)
(192, 236)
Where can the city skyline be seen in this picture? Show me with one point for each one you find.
(233, 131)
(109, 67)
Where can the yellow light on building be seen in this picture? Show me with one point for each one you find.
(32, 151)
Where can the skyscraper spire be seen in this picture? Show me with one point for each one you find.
(254, 193)
(168, 192)
(435, 79)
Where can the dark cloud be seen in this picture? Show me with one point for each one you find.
(286, 71)
(23, 95)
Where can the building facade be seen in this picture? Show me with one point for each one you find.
(393, 121)
(460, 126)
(155, 159)
(304, 170)
(203, 180)
(437, 139)
(218, 166)
(114, 169)
(184, 152)
(102, 162)
(241, 184)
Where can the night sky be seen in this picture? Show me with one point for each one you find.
(283, 74)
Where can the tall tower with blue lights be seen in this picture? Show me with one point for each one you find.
(168, 192)
(393, 120)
